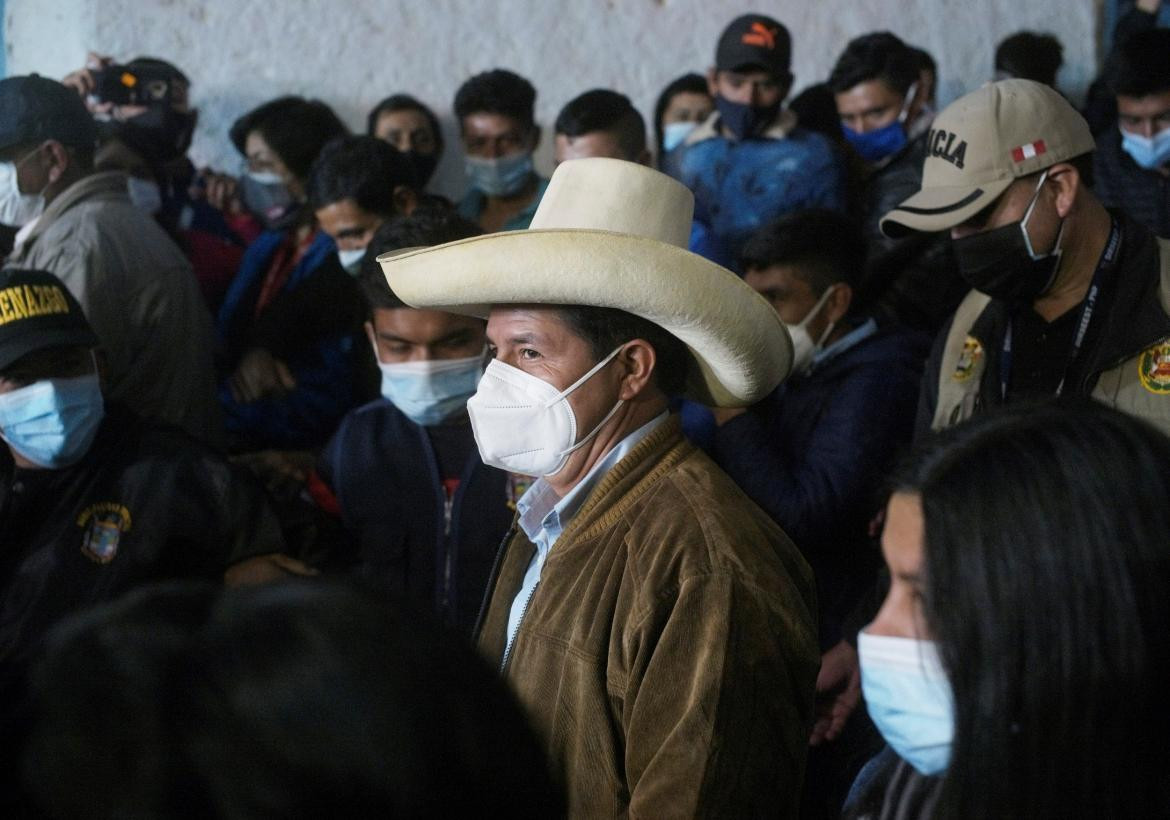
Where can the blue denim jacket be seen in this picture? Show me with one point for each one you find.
(741, 185)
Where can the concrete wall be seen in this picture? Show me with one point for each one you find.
(352, 53)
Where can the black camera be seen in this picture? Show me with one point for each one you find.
(137, 85)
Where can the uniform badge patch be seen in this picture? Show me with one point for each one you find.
(1154, 369)
(517, 486)
(968, 360)
(102, 527)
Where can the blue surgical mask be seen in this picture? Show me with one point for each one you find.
(874, 146)
(431, 391)
(267, 197)
(744, 120)
(52, 423)
(351, 259)
(1148, 152)
(503, 176)
(909, 699)
(674, 134)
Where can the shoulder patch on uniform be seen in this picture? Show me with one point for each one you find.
(102, 527)
(1154, 368)
(968, 360)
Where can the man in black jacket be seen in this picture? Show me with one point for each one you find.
(93, 500)
(882, 105)
(421, 513)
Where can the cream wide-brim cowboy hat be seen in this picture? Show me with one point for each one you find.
(610, 233)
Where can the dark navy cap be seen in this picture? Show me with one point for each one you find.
(754, 41)
(35, 108)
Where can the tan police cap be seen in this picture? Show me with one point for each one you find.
(980, 143)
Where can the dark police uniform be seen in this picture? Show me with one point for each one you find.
(146, 503)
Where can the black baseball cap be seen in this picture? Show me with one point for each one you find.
(35, 108)
(37, 312)
(754, 40)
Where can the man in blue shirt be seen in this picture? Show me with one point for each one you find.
(750, 162)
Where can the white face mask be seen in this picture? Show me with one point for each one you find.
(351, 259)
(145, 194)
(17, 209)
(803, 346)
(431, 391)
(525, 425)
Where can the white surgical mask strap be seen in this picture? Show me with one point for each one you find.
(592, 432)
(565, 393)
(808, 317)
(907, 102)
(1028, 215)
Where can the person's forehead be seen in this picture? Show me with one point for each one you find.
(256, 145)
(868, 94)
(487, 124)
(592, 144)
(422, 326)
(778, 277)
(749, 74)
(542, 320)
(406, 119)
(344, 212)
(689, 99)
(1151, 105)
(902, 536)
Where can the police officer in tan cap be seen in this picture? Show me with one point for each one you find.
(1069, 298)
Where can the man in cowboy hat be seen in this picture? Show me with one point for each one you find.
(657, 625)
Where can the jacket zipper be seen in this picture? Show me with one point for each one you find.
(516, 634)
(493, 578)
(448, 503)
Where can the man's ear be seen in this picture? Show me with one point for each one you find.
(405, 200)
(55, 160)
(1068, 182)
(839, 302)
(639, 360)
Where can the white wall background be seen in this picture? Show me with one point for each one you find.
(351, 53)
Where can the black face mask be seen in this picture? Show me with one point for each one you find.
(160, 134)
(1002, 264)
(269, 201)
(744, 120)
(424, 166)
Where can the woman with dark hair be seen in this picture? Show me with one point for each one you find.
(681, 106)
(412, 128)
(282, 398)
(1018, 665)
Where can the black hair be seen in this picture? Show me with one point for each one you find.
(295, 128)
(686, 84)
(604, 329)
(605, 110)
(497, 92)
(1046, 569)
(924, 59)
(1030, 55)
(162, 66)
(816, 109)
(405, 102)
(877, 56)
(429, 224)
(1140, 65)
(823, 247)
(298, 699)
(364, 169)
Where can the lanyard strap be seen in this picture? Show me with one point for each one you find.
(1089, 307)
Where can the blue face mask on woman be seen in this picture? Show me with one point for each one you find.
(52, 423)
(431, 391)
(1148, 152)
(909, 699)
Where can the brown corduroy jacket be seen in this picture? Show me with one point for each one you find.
(668, 654)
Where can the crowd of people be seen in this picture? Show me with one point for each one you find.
(800, 459)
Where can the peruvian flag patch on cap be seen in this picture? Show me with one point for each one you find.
(1032, 149)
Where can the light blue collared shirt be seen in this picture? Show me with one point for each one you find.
(858, 334)
(544, 516)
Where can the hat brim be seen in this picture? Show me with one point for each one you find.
(739, 348)
(939, 209)
(42, 339)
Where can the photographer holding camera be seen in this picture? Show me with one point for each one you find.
(145, 125)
